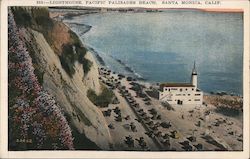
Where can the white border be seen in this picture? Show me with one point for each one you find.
(4, 153)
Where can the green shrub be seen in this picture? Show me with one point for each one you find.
(67, 59)
(22, 17)
(81, 52)
(36, 18)
(102, 100)
(86, 65)
(44, 22)
(75, 40)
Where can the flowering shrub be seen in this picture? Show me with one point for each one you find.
(35, 119)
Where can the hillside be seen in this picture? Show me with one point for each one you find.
(66, 70)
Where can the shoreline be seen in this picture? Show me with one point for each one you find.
(217, 116)
(129, 69)
(97, 56)
(87, 28)
(101, 63)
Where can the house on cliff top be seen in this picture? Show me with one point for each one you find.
(182, 93)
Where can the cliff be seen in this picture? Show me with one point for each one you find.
(69, 90)
(71, 93)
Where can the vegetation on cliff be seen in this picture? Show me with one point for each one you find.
(35, 119)
(70, 50)
(35, 18)
(102, 100)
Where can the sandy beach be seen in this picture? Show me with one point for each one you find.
(190, 127)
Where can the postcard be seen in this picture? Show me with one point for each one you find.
(124, 79)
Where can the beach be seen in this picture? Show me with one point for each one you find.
(139, 121)
(214, 131)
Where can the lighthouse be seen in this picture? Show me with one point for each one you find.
(194, 79)
(182, 93)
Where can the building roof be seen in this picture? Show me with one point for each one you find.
(176, 85)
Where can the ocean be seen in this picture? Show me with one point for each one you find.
(162, 46)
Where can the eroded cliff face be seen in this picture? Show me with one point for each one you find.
(71, 92)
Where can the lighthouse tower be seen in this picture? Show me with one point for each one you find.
(194, 80)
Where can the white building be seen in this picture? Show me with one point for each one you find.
(182, 93)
